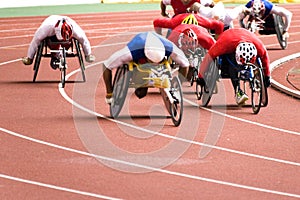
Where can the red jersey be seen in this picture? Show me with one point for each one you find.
(205, 40)
(227, 43)
(171, 23)
(179, 7)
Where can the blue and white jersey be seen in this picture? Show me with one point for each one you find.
(137, 46)
(268, 7)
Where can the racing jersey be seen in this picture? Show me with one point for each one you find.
(268, 7)
(178, 6)
(227, 43)
(46, 29)
(163, 22)
(137, 46)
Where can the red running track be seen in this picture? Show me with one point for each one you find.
(60, 144)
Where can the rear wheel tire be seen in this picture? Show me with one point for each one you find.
(177, 106)
(37, 61)
(210, 78)
(120, 89)
(256, 90)
(279, 24)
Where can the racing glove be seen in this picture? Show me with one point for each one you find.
(90, 58)
(267, 81)
(201, 82)
(27, 60)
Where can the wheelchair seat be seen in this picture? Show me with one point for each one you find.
(224, 63)
(268, 26)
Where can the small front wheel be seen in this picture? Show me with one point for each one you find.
(63, 67)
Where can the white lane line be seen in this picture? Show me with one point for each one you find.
(148, 167)
(279, 86)
(71, 101)
(56, 187)
(10, 61)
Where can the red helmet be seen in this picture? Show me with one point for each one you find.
(187, 40)
(63, 30)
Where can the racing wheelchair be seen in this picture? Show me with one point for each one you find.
(66, 49)
(134, 75)
(272, 24)
(249, 75)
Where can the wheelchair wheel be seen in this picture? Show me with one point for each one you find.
(80, 59)
(120, 89)
(210, 78)
(265, 98)
(279, 24)
(257, 87)
(63, 67)
(37, 61)
(177, 106)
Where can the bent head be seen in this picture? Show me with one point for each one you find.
(185, 2)
(258, 7)
(63, 30)
(245, 52)
(154, 48)
(187, 41)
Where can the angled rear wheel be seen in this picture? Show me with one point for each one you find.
(177, 105)
(120, 89)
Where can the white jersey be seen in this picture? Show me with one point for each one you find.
(226, 15)
(47, 30)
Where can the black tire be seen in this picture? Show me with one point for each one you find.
(257, 87)
(265, 98)
(194, 77)
(80, 59)
(63, 68)
(279, 24)
(37, 60)
(177, 106)
(120, 89)
(210, 77)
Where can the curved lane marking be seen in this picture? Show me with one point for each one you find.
(139, 166)
(71, 101)
(56, 187)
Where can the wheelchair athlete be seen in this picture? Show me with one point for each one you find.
(246, 47)
(145, 47)
(188, 37)
(188, 18)
(263, 9)
(181, 6)
(57, 29)
(219, 12)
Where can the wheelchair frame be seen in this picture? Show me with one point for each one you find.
(45, 51)
(135, 75)
(196, 59)
(255, 24)
(253, 75)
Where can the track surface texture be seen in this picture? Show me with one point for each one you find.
(61, 143)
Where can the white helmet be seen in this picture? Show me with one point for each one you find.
(154, 48)
(245, 52)
(258, 7)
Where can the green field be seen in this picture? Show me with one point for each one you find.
(75, 9)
